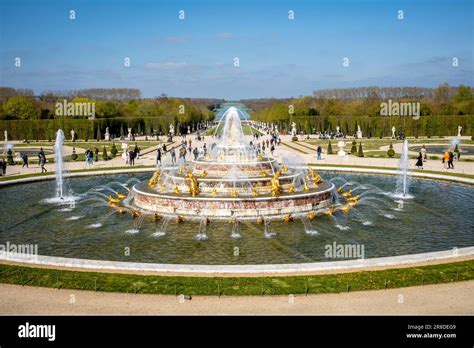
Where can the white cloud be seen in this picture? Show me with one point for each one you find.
(225, 36)
(166, 66)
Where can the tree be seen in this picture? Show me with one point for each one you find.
(330, 148)
(113, 150)
(391, 151)
(354, 148)
(360, 152)
(105, 156)
(21, 107)
(464, 94)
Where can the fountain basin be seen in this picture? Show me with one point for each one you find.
(92, 230)
(249, 208)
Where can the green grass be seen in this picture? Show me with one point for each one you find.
(375, 144)
(6, 178)
(295, 148)
(209, 286)
(469, 176)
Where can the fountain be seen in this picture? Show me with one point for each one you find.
(58, 160)
(233, 181)
(60, 196)
(403, 176)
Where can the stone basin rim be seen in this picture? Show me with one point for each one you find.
(264, 269)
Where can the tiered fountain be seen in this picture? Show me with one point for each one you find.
(234, 181)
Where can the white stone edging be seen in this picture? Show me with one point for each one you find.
(345, 265)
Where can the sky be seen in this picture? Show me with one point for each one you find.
(195, 56)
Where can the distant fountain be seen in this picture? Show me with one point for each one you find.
(58, 160)
(403, 176)
(61, 197)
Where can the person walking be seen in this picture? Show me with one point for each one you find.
(173, 156)
(158, 157)
(136, 152)
(424, 153)
(450, 159)
(25, 160)
(419, 162)
(131, 153)
(42, 160)
(3, 167)
(96, 151)
(90, 158)
(195, 153)
(445, 159)
(272, 149)
(318, 151)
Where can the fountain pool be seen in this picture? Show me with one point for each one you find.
(91, 229)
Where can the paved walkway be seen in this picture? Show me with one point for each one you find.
(451, 298)
(306, 152)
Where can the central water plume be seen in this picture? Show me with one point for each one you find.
(58, 160)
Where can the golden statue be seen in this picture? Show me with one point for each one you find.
(163, 187)
(353, 199)
(345, 208)
(288, 218)
(291, 188)
(154, 179)
(347, 193)
(203, 174)
(311, 216)
(234, 193)
(121, 211)
(260, 157)
(339, 189)
(284, 169)
(305, 186)
(264, 173)
(135, 214)
(316, 178)
(180, 170)
(176, 190)
(193, 184)
(120, 195)
(157, 217)
(255, 192)
(213, 192)
(275, 182)
(113, 200)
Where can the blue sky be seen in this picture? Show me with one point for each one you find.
(194, 57)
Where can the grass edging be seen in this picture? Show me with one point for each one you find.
(240, 286)
(461, 175)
